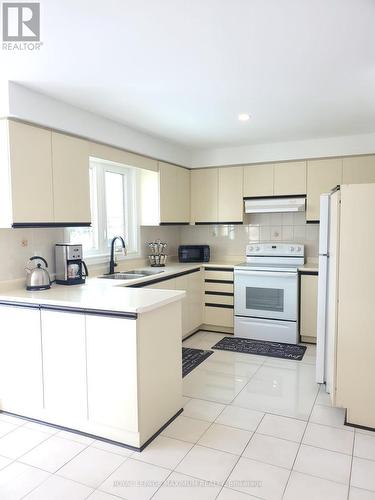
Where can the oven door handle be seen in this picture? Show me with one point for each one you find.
(270, 274)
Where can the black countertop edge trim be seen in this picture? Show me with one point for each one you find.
(313, 222)
(223, 306)
(356, 426)
(225, 269)
(219, 281)
(174, 223)
(165, 278)
(50, 224)
(90, 312)
(18, 304)
(93, 436)
(275, 196)
(218, 223)
(224, 294)
(311, 273)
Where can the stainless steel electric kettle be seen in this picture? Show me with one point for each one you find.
(37, 278)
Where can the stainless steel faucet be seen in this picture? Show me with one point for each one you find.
(112, 263)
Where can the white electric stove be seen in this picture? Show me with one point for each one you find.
(266, 292)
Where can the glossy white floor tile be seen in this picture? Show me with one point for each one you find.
(73, 436)
(91, 467)
(240, 418)
(58, 488)
(182, 487)
(228, 494)
(52, 454)
(258, 479)
(100, 495)
(6, 427)
(282, 427)
(40, 427)
(363, 473)
(135, 480)
(206, 463)
(330, 438)
(186, 429)
(272, 450)
(359, 494)
(203, 410)
(20, 441)
(4, 462)
(164, 452)
(225, 438)
(326, 415)
(323, 463)
(305, 487)
(113, 448)
(289, 391)
(364, 446)
(17, 480)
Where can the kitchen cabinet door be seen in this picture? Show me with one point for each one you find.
(30, 173)
(196, 300)
(230, 196)
(21, 383)
(258, 180)
(64, 351)
(289, 178)
(71, 185)
(204, 195)
(110, 341)
(308, 307)
(174, 194)
(358, 170)
(181, 283)
(322, 176)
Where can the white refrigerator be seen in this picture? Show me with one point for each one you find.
(328, 289)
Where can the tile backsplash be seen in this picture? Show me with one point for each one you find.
(226, 241)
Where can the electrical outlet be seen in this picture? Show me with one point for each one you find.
(24, 243)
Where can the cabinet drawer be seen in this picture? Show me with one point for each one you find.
(220, 316)
(219, 287)
(218, 299)
(226, 275)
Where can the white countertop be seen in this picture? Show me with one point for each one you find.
(115, 295)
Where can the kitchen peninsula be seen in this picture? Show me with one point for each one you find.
(100, 359)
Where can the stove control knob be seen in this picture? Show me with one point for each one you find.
(257, 249)
(299, 249)
(251, 249)
(292, 249)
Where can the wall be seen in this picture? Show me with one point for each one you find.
(230, 241)
(14, 256)
(38, 108)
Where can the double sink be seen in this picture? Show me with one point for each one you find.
(131, 275)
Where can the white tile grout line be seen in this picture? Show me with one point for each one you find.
(351, 464)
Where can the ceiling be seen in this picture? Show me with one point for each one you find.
(183, 70)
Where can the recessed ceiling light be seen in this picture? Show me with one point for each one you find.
(243, 117)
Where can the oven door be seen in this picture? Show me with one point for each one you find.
(266, 294)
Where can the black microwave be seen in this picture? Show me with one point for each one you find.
(193, 253)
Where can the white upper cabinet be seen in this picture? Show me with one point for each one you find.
(289, 178)
(358, 170)
(204, 195)
(230, 194)
(322, 176)
(26, 176)
(71, 187)
(258, 180)
(174, 194)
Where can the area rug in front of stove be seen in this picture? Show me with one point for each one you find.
(261, 348)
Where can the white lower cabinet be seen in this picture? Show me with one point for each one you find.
(193, 303)
(21, 383)
(64, 351)
(107, 341)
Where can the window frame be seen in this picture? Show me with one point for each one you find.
(130, 174)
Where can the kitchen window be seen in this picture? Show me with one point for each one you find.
(113, 189)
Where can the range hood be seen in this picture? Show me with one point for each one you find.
(274, 204)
